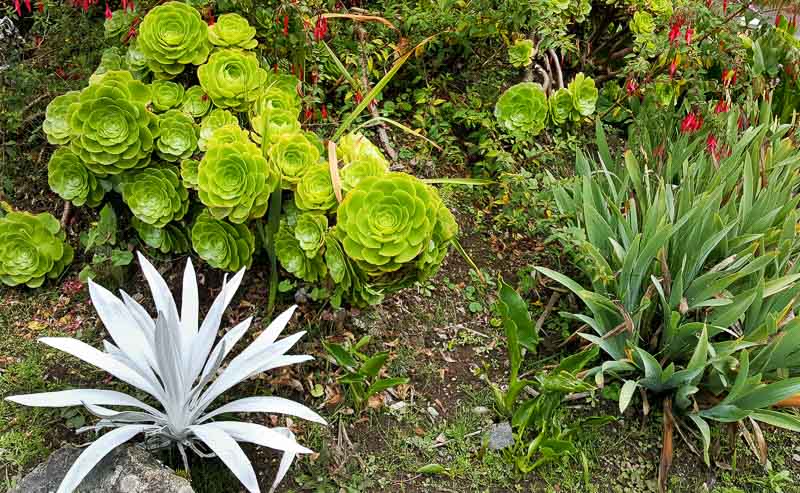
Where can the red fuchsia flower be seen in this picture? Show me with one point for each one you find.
(675, 31)
(28, 5)
(359, 97)
(711, 144)
(725, 6)
(285, 25)
(778, 19)
(321, 28)
(309, 113)
(40, 7)
(722, 107)
(631, 86)
(673, 67)
(18, 8)
(324, 112)
(689, 33)
(131, 5)
(124, 4)
(691, 123)
(728, 77)
(708, 3)
(109, 14)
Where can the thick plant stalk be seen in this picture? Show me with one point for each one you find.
(383, 136)
(273, 223)
(557, 65)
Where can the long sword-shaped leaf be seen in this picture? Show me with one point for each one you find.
(260, 435)
(381, 119)
(286, 461)
(93, 454)
(78, 397)
(267, 404)
(377, 89)
(229, 452)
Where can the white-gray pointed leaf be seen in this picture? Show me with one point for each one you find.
(162, 297)
(286, 461)
(267, 404)
(77, 397)
(95, 452)
(259, 435)
(229, 452)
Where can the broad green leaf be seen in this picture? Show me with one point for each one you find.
(626, 394)
(384, 384)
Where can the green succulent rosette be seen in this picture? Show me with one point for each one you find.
(353, 173)
(56, 119)
(309, 230)
(520, 54)
(218, 118)
(232, 78)
(355, 147)
(662, 8)
(584, 94)
(136, 61)
(348, 280)
(196, 102)
(390, 223)
(522, 109)
(278, 93)
(155, 195)
(293, 155)
(169, 239)
(118, 24)
(112, 130)
(32, 248)
(223, 245)
(71, 180)
(276, 123)
(232, 31)
(111, 59)
(166, 94)
(177, 136)
(234, 180)
(189, 169)
(228, 134)
(560, 106)
(171, 36)
(294, 259)
(315, 190)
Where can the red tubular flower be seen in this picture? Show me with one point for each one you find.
(40, 7)
(359, 97)
(691, 123)
(689, 32)
(131, 5)
(28, 5)
(109, 14)
(711, 144)
(778, 19)
(673, 67)
(124, 4)
(285, 25)
(722, 107)
(85, 5)
(18, 8)
(725, 6)
(324, 112)
(321, 28)
(308, 114)
(275, 68)
(211, 20)
(708, 3)
(674, 31)
(728, 77)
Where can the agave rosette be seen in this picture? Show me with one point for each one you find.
(71, 180)
(32, 248)
(174, 359)
(222, 244)
(112, 130)
(171, 36)
(232, 78)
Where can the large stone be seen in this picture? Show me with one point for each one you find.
(128, 469)
(500, 436)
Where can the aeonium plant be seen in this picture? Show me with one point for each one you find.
(174, 359)
(218, 158)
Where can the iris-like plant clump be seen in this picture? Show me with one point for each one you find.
(32, 249)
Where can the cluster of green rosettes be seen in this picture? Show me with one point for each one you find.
(524, 109)
(32, 248)
(197, 166)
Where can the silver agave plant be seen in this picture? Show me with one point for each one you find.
(174, 359)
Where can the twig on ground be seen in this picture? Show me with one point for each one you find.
(468, 435)
(547, 309)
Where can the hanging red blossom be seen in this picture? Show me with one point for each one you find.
(359, 97)
(673, 67)
(309, 113)
(40, 6)
(722, 106)
(285, 25)
(711, 144)
(324, 112)
(689, 33)
(674, 31)
(691, 123)
(631, 86)
(131, 5)
(124, 4)
(778, 19)
(725, 6)
(708, 3)
(211, 20)
(321, 28)
(109, 14)
(28, 5)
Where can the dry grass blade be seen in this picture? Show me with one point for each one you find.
(361, 18)
(666, 447)
(333, 163)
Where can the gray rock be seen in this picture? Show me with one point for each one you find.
(500, 436)
(127, 469)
